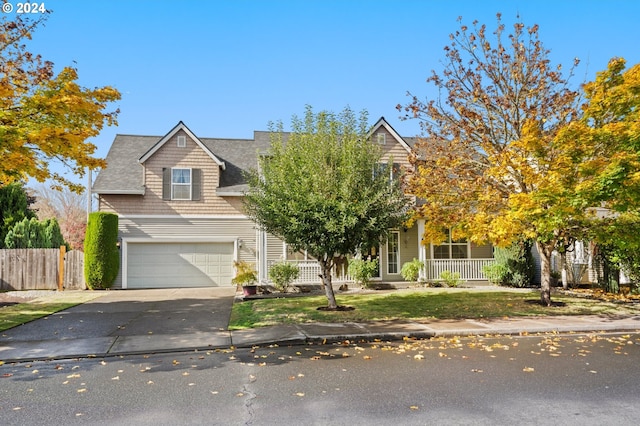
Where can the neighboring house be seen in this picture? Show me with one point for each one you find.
(181, 222)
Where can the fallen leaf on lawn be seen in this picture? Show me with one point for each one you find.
(66, 382)
(300, 394)
(214, 392)
(442, 354)
(367, 357)
(103, 362)
(192, 384)
(528, 369)
(186, 373)
(419, 356)
(315, 358)
(345, 355)
(17, 408)
(593, 371)
(150, 382)
(82, 390)
(34, 372)
(239, 394)
(292, 377)
(414, 407)
(7, 375)
(476, 370)
(175, 362)
(115, 378)
(73, 376)
(262, 364)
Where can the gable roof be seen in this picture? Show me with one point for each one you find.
(168, 136)
(125, 171)
(383, 123)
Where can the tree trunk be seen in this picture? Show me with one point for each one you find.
(326, 266)
(545, 272)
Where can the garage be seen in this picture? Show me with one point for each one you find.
(167, 265)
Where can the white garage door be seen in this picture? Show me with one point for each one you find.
(164, 265)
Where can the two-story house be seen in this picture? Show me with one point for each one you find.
(181, 220)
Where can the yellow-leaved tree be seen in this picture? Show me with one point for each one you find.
(489, 164)
(45, 117)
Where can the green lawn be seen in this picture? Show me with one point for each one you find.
(413, 305)
(14, 315)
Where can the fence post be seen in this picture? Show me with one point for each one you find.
(63, 250)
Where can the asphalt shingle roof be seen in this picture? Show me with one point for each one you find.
(124, 174)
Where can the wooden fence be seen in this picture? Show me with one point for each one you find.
(38, 269)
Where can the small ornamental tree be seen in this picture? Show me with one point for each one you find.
(101, 255)
(317, 190)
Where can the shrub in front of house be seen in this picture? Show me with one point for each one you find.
(283, 274)
(411, 270)
(101, 254)
(362, 270)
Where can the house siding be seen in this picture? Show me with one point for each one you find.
(392, 149)
(169, 156)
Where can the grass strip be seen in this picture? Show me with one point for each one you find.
(412, 305)
(21, 313)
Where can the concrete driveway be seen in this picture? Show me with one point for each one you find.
(124, 321)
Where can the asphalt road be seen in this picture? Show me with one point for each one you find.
(545, 379)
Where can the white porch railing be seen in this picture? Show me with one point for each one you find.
(469, 269)
(310, 272)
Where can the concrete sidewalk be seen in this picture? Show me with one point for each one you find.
(156, 321)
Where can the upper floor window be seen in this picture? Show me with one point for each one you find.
(381, 138)
(451, 249)
(383, 169)
(182, 141)
(180, 184)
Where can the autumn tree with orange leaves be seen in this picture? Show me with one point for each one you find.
(489, 164)
(45, 117)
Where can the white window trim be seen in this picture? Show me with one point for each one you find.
(182, 141)
(182, 184)
(397, 233)
(449, 245)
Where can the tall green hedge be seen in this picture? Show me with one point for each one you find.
(101, 254)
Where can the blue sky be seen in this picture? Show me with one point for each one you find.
(227, 68)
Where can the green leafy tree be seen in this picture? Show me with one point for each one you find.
(317, 189)
(490, 165)
(45, 117)
(14, 207)
(609, 136)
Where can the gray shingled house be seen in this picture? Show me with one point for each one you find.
(181, 224)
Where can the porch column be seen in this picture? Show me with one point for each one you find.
(262, 255)
(422, 250)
